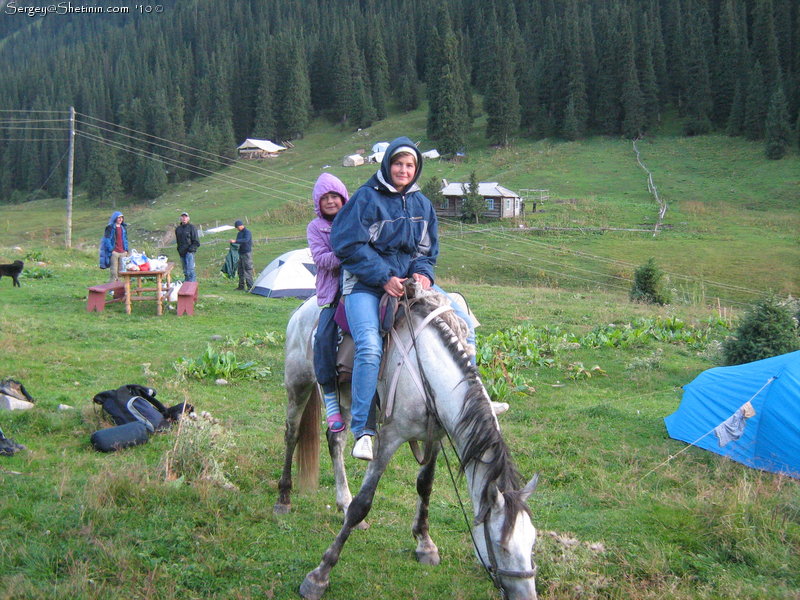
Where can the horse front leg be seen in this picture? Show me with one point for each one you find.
(427, 552)
(336, 446)
(317, 581)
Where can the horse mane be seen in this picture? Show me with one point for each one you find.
(477, 423)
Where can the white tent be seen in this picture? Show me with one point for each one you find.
(377, 157)
(292, 274)
(380, 147)
(266, 145)
(252, 148)
(431, 154)
(354, 160)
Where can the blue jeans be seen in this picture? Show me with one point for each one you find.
(362, 317)
(187, 261)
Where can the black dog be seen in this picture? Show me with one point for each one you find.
(13, 270)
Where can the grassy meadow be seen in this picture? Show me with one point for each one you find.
(622, 510)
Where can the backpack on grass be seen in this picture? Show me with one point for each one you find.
(136, 413)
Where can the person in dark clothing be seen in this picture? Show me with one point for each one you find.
(245, 241)
(188, 242)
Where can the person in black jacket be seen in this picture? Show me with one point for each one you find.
(188, 242)
(245, 241)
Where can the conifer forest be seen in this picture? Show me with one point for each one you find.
(208, 75)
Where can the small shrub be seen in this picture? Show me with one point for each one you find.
(648, 285)
(767, 329)
(37, 273)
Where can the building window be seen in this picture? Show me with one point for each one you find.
(489, 203)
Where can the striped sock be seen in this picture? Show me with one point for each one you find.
(331, 404)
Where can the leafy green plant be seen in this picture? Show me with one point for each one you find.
(216, 365)
(37, 273)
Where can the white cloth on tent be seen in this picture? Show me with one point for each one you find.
(732, 428)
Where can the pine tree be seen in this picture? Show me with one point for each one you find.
(778, 129)
(264, 123)
(102, 180)
(447, 116)
(633, 117)
(407, 83)
(765, 43)
(474, 204)
(363, 111)
(698, 87)
(727, 66)
(755, 105)
(151, 180)
(502, 100)
(378, 70)
(576, 112)
(294, 91)
(607, 110)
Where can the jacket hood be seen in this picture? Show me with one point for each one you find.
(385, 176)
(114, 216)
(328, 183)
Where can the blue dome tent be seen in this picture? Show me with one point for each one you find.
(749, 413)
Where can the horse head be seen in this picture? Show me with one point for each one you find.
(504, 541)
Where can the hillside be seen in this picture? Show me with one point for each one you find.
(730, 230)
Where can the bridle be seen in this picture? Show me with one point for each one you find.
(492, 569)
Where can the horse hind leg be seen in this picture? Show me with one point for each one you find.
(427, 553)
(297, 406)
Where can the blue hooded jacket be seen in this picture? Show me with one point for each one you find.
(107, 243)
(381, 233)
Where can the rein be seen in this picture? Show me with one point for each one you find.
(491, 569)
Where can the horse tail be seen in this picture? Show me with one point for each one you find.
(308, 445)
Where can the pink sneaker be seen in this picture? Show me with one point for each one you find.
(335, 423)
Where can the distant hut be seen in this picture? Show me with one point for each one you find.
(501, 203)
(253, 148)
(354, 160)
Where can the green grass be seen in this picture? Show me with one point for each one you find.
(622, 510)
(617, 519)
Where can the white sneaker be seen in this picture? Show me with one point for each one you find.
(498, 408)
(363, 448)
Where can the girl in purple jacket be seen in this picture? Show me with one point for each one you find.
(329, 195)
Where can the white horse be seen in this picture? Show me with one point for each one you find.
(438, 392)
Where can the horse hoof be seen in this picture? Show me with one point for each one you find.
(363, 526)
(312, 589)
(428, 558)
(281, 509)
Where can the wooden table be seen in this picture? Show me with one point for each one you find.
(140, 292)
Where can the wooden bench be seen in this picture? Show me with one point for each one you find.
(187, 296)
(97, 295)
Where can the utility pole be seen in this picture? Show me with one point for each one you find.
(70, 165)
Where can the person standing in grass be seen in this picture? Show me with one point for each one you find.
(114, 245)
(188, 242)
(329, 195)
(244, 239)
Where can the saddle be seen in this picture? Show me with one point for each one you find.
(387, 308)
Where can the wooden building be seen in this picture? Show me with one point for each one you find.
(501, 203)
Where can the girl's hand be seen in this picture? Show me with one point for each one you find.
(423, 280)
(394, 287)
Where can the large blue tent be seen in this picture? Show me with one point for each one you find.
(749, 413)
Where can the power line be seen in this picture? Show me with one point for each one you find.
(677, 276)
(188, 166)
(193, 151)
(194, 169)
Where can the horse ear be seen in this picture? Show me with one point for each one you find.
(529, 487)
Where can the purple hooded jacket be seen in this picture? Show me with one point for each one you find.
(319, 240)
